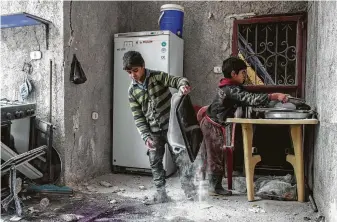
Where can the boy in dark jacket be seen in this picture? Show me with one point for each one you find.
(230, 96)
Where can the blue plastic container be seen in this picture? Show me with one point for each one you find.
(172, 18)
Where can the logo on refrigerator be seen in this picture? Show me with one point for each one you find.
(163, 57)
(163, 44)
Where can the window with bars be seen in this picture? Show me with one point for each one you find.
(272, 48)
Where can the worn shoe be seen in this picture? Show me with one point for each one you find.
(160, 197)
(215, 186)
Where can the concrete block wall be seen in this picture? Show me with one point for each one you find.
(17, 43)
(207, 34)
(321, 93)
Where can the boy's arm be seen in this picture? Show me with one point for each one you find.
(171, 81)
(246, 98)
(140, 120)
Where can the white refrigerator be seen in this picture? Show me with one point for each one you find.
(162, 51)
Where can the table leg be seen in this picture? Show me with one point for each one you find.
(250, 160)
(297, 160)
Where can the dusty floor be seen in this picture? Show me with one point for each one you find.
(123, 202)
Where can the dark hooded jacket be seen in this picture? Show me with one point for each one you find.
(231, 95)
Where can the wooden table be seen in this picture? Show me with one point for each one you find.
(295, 160)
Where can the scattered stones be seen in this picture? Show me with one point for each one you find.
(122, 189)
(113, 201)
(85, 184)
(105, 184)
(307, 218)
(142, 187)
(71, 217)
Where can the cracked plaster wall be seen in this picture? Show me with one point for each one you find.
(207, 41)
(92, 24)
(321, 90)
(17, 43)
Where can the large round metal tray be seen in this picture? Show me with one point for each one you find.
(287, 115)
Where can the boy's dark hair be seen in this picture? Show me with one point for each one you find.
(232, 64)
(132, 59)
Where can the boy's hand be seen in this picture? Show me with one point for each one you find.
(185, 89)
(149, 144)
(279, 96)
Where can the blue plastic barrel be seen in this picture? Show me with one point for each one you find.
(172, 18)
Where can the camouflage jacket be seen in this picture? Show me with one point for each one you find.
(229, 97)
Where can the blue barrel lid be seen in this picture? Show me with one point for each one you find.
(171, 7)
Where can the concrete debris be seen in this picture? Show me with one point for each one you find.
(85, 184)
(115, 189)
(113, 201)
(142, 187)
(320, 219)
(32, 210)
(122, 189)
(44, 203)
(239, 184)
(256, 209)
(306, 218)
(71, 217)
(207, 207)
(105, 184)
(15, 218)
(91, 189)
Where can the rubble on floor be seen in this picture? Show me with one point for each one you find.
(121, 200)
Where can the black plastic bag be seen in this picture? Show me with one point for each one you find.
(77, 75)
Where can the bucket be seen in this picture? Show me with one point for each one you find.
(172, 18)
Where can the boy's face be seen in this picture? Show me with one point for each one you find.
(239, 77)
(137, 73)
